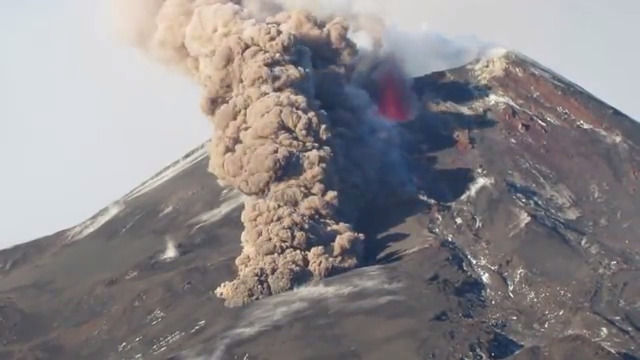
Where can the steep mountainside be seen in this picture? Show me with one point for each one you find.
(523, 245)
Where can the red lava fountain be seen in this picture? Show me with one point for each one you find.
(393, 94)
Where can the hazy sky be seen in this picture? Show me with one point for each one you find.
(83, 120)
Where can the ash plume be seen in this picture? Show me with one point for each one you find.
(292, 131)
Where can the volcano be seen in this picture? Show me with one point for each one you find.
(523, 244)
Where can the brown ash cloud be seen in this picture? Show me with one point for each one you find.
(290, 130)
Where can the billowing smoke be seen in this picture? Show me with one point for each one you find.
(294, 129)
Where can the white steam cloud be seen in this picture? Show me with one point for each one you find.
(420, 49)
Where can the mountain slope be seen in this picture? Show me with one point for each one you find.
(522, 245)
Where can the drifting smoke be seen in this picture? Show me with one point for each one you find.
(417, 48)
(294, 130)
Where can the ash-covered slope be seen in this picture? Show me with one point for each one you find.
(522, 245)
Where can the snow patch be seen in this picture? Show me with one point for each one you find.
(479, 182)
(369, 303)
(481, 265)
(95, 222)
(170, 171)
(595, 193)
(522, 221)
(198, 326)
(126, 346)
(275, 310)
(478, 106)
(473, 108)
(155, 317)
(563, 200)
(231, 200)
(501, 101)
(131, 274)
(549, 74)
(162, 343)
(609, 138)
(518, 276)
(166, 210)
(554, 196)
(133, 221)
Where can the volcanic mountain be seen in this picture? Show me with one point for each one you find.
(523, 244)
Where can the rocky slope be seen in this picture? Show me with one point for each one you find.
(523, 245)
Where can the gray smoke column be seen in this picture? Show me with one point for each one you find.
(290, 131)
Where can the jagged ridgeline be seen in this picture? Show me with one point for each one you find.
(291, 131)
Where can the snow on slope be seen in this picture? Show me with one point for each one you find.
(175, 168)
(480, 181)
(276, 310)
(95, 222)
(231, 199)
(551, 75)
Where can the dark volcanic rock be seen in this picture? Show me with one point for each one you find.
(523, 245)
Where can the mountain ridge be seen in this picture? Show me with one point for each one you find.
(487, 67)
(519, 172)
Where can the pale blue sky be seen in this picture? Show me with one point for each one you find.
(83, 120)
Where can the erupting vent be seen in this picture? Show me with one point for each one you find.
(393, 93)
